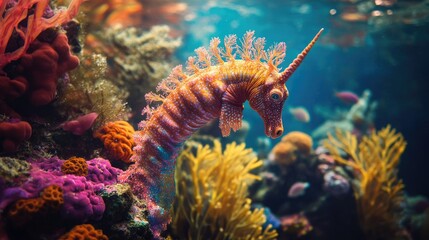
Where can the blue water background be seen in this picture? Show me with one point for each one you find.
(395, 71)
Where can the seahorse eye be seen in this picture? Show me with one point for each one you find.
(275, 94)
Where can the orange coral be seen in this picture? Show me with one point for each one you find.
(76, 166)
(302, 141)
(26, 210)
(53, 196)
(84, 232)
(283, 153)
(292, 145)
(108, 13)
(118, 139)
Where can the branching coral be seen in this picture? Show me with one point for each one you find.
(211, 195)
(118, 139)
(377, 189)
(11, 17)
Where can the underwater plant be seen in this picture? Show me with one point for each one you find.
(190, 100)
(89, 91)
(377, 189)
(211, 195)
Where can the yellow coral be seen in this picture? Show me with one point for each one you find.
(378, 191)
(211, 195)
(76, 166)
(84, 232)
(118, 139)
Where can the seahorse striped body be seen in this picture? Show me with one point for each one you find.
(188, 102)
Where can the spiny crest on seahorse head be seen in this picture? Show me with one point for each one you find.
(251, 49)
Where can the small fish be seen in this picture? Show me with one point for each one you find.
(301, 114)
(298, 189)
(347, 97)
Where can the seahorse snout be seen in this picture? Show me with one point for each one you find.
(274, 131)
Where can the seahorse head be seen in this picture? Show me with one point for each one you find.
(268, 99)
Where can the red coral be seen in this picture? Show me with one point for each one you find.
(36, 22)
(13, 133)
(43, 64)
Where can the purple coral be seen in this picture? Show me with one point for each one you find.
(81, 203)
(335, 184)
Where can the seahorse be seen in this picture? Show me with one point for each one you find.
(216, 85)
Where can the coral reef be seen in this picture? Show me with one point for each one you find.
(34, 55)
(84, 231)
(118, 141)
(76, 166)
(211, 200)
(81, 203)
(377, 189)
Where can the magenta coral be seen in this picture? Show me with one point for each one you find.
(81, 203)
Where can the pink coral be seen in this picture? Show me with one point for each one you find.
(81, 124)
